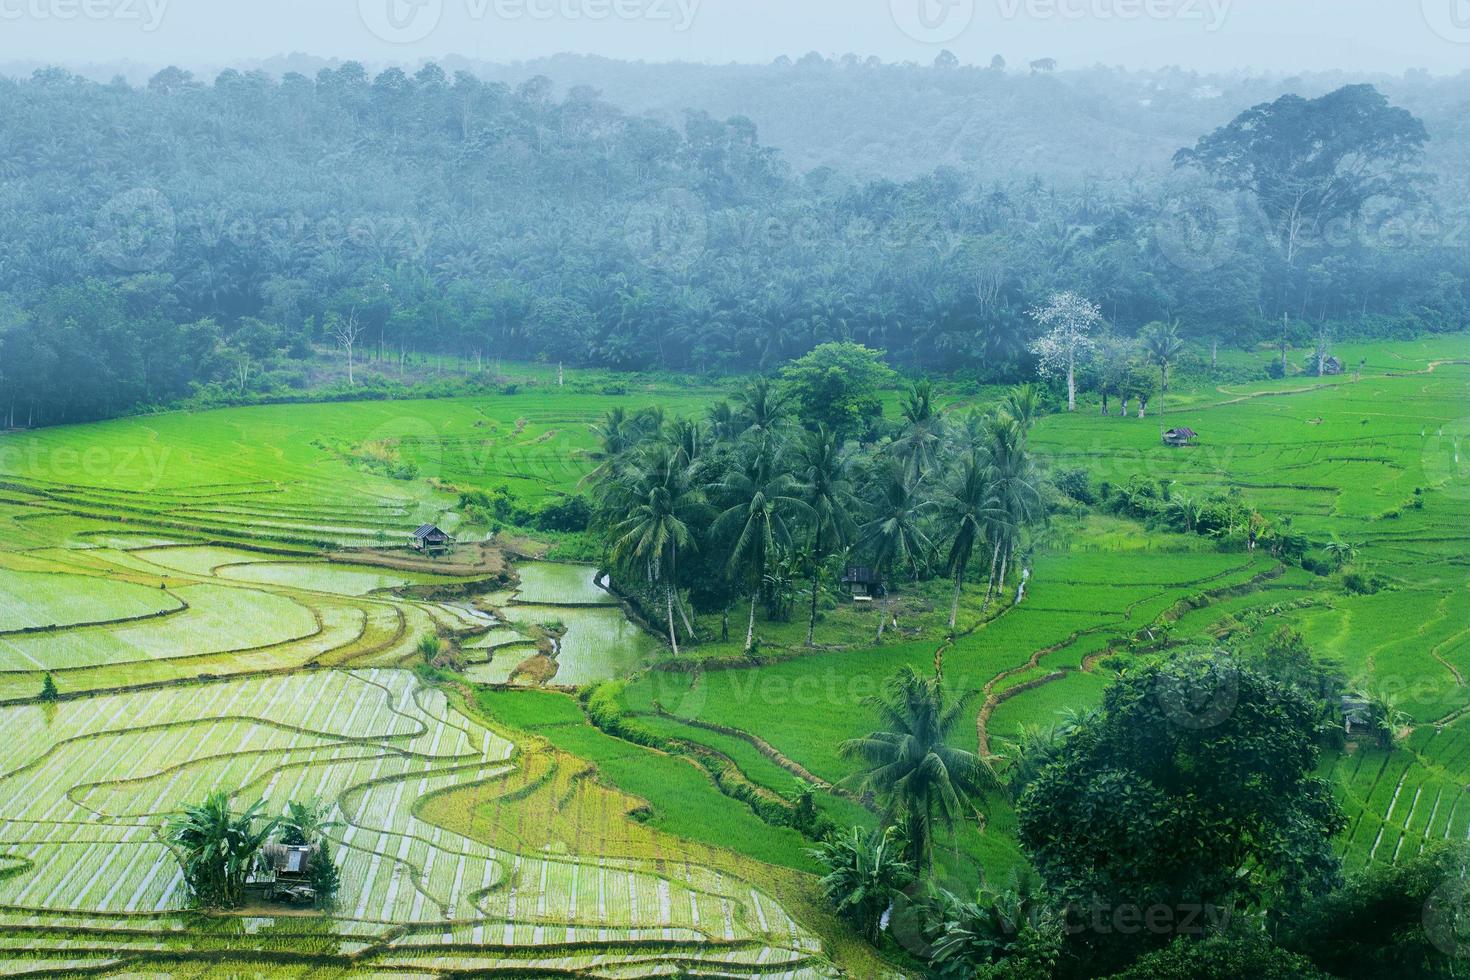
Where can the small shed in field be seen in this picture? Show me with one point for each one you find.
(429, 538)
(862, 582)
(1357, 714)
(1180, 437)
(285, 873)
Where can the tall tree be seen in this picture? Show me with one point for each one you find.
(895, 530)
(824, 484)
(1069, 321)
(762, 500)
(1015, 484)
(969, 508)
(1163, 345)
(653, 500)
(918, 445)
(912, 767)
(1196, 786)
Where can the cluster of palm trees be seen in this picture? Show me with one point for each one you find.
(218, 848)
(763, 497)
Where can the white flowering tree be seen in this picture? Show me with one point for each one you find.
(1069, 321)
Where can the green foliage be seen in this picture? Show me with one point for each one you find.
(1394, 920)
(306, 823)
(1228, 957)
(865, 871)
(1195, 786)
(326, 880)
(48, 689)
(1014, 934)
(911, 765)
(216, 848)
(838, 385)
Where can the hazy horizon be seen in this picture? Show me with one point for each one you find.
(1206, 35)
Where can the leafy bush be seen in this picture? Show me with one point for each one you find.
(1077, 484)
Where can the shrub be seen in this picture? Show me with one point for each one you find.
(48, 689)
(1077, 484)
(606, 713)
(1222, 958)
(1360, 583)
(325, 878)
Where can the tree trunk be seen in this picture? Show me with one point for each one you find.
(1105, 401)
(882, 617)
(811, 626)
(1124, 414)
(990, 587)
(750, 628)
(673, 634)
(1005, 560)
(725, 625)
(1071, 382)
(1215, 355)
(1142, 407)
(954, 608)
(1163, 394)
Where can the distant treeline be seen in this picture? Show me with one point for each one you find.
(218, 234)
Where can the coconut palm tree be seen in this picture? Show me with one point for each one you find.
(617, 434)
(216, 848)
(688, 438)
(1022, 405)
(895, 531)
(865, 872)
(1013, 475)
(923, 432)
(910, 764)
(764, 410)
(1162, 346)
(1340, 552)
(824, 484)
(761, 501)
(724, 423)
(969, 508)
(655, 502)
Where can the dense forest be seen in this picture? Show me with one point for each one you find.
(224, 235)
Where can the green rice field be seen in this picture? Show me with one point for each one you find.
(200, 587)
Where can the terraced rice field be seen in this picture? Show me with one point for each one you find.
(178, 587)
(85, 789)
(176, 597)
(1341, 457)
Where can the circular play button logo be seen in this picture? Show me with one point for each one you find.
(933, 21)
(401, 21)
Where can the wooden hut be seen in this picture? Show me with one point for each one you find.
(863, 583)
(430, 540)
(284, 873)
(1180, 437)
